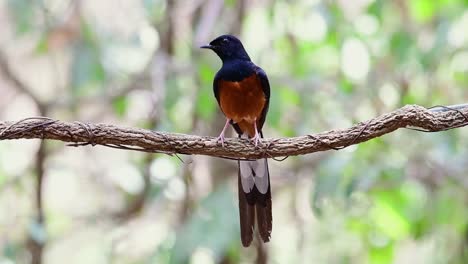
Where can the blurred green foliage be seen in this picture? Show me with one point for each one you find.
(400, 198)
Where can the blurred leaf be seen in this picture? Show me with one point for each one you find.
(284, 100)
(206, 74)
(414, 197)
(87, 70)
(287, 131)
(231, 3)
(120, 105)
(289, 96)
(42, 46)
(233, 253)
(409, 98)
(358, 225)
(155, 9)
(274, 112)
(327, 186)
(461, 78)
(332, 38)
(381, 255)
(390, 176)
(388, 214)
(172, 94)
(10, 251)
(23, 14)
(303, 59)
(422, 10)
(214, 225)
(370, 149)
(346, 86)
(163, 253)
(450, 208)
(88, 34)
(206, 104)
(284, 46)
(328, 183)
(376, 8)
(401, 43)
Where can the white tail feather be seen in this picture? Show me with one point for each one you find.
(262, 180)
(254, 173)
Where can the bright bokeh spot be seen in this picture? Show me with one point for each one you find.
(389, 95)
(128, 178)
(366, 24)
(355, 59)
(460, 61)
(202, 255)
(175, 189)
(162, 169)
(312, 28)
(458, 34)
(149, 37)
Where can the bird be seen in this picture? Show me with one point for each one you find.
(242, 91)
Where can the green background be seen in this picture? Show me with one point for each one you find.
(400, 198)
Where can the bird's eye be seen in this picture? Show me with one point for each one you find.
(225, 40)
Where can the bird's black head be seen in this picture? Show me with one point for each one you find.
(228, 48)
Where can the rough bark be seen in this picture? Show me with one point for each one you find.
(79, 134)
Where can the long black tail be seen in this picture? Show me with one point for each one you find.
(254, 200)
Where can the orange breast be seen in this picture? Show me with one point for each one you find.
(242, 102)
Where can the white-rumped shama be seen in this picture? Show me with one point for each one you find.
(243, 94)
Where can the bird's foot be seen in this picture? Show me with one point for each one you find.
(221, 138)
(256, 139)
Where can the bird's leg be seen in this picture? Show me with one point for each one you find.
(221, 136)
(256, 138)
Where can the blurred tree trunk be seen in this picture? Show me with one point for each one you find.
(37, 243)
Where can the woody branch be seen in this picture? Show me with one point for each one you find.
(79, 134)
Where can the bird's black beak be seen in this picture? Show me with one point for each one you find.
(207, 47)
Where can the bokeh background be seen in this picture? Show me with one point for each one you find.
(401, 198)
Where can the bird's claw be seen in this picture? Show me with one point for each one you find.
(256, 139)
(220, 138)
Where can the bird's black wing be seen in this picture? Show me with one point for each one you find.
(266, 90)
(216, 87)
